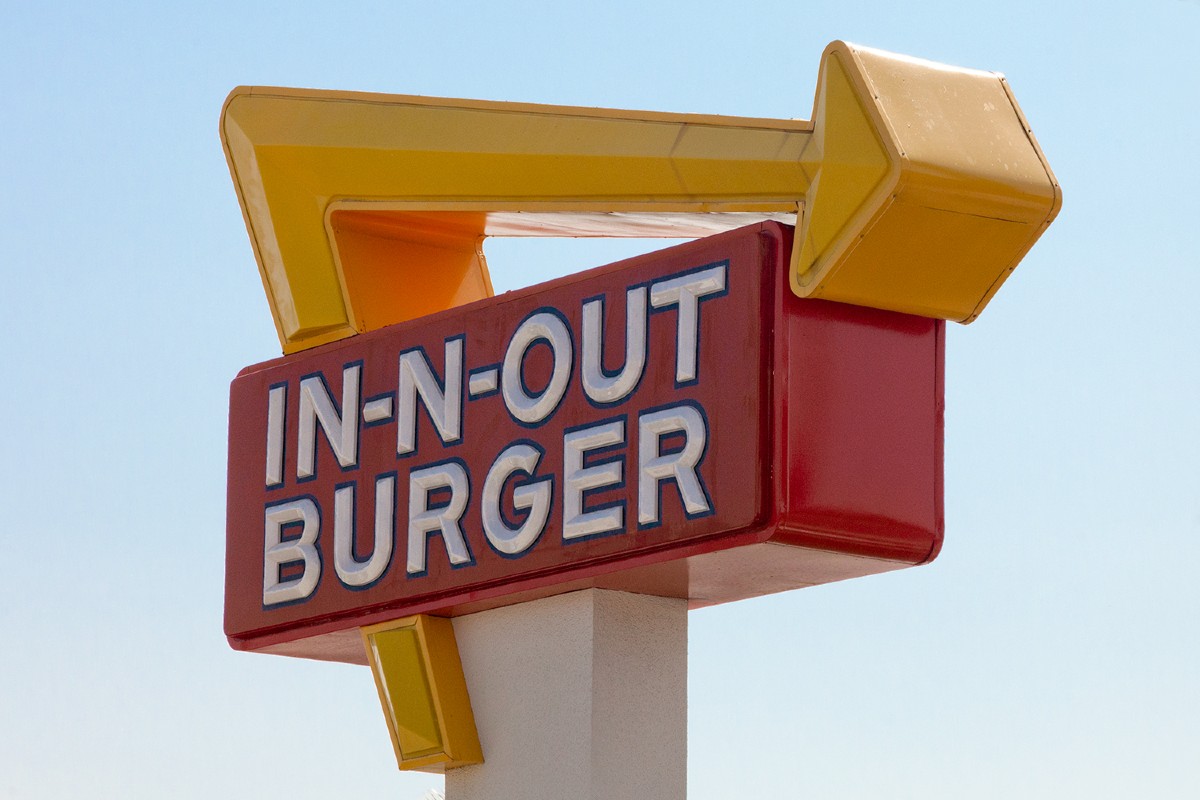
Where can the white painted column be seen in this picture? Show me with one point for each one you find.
(582, 696)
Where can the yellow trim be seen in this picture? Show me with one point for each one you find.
(421, 687)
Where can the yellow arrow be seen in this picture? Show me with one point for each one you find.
(915, 187)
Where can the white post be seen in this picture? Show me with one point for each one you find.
(580, 696)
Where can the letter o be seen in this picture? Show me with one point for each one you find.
(549, 327)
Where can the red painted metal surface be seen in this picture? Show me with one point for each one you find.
(818, 428)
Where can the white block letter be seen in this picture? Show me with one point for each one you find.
(601, 387)
(350, 570)
(423, 520)
(534, 496)
(340, 428)
(278, 552)
(276, 423)
(578, 479)
(443, 404)
(533, 410)
(686, 292)
(679, 466)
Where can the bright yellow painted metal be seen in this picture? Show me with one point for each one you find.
(366, 210)
(932, 186)
(420, 681)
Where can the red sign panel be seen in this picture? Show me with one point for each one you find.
(677, 424)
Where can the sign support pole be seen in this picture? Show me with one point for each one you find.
(578, 695)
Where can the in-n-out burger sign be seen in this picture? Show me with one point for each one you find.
(678, 424)
(590, 463)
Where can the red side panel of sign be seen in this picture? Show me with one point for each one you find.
(862, 433)
(676, 424)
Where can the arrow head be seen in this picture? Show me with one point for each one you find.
(927, 186)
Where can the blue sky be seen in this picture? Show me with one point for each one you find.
(1050, 651)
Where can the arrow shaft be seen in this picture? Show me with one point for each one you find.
(354, 170)
(408, 153)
